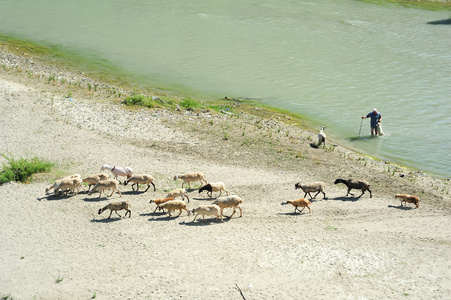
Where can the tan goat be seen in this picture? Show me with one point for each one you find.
(105, 185)
(207, 210)
(69, 183)
(174, 205)
(229, 201)
(409, 198)
(178, 193)
(191, 177)
(158, 202)
(93, 179)
(115, 206)
(57, 182)
(141, 178)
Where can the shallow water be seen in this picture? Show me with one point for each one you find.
(332, 61)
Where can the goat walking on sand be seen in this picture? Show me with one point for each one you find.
(118, 171)
(214, 187)
(158, 202)
(311, 187)
(362, 185)
(103, 185)
(191, 177)
(299, 203)
(93, 179)
(115, 206)
(409, 198)
(143, 179)
(73, 183)
(232, 201)
(207, 210)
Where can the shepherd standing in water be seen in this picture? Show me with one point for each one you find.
(376, 118)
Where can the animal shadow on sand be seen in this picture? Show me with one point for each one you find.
(401, 207)
(106, 220)
(53, 197)
(131, 192)
(96, 199)
(293, 213)
(204, 222)
(346, 198)
(159, 216)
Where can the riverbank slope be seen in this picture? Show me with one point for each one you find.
(58, 247)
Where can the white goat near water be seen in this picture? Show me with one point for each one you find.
(322, 137)
(118, 171)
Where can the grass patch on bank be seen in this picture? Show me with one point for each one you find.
(419, 4)
(22, 169)
(172, 103)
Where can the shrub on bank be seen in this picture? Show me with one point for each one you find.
(22, 169)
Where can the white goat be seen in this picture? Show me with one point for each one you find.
(143, 179)
(207, 210)
(229, 201)
(322, 136)
(214, 187)
(310, 187)
(178, 193)
(115, 206)
(191, 177)
(118, 171)
(106, 185)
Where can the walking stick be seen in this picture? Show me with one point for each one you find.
(360, 127)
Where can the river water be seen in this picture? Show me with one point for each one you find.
(330, 60)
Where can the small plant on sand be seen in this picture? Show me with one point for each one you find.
(22, 169)
(7, 297)
(59, 279)
(226, 136)
(331, 228)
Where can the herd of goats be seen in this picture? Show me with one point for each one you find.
(101, 182)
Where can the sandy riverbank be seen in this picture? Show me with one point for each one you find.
(58, 247)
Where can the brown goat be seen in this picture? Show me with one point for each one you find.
(300, 203)
(409, 198)
(158, 202)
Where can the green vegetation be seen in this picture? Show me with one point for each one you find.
(421, 4)
(22, 169)
(7, 297)
(172, 103)
(59, 279)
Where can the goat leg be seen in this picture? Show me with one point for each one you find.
(234, 210)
